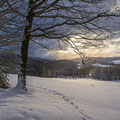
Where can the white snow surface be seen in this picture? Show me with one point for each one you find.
(79, 66)
(61, 99)
(100, 65)
(116, 62)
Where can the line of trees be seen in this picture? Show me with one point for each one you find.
(106, 73)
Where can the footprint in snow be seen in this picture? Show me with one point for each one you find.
(67, 99)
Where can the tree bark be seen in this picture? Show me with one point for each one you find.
(24, 48)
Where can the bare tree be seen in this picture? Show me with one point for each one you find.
(61, 20)
(7, 39)
(10, 28)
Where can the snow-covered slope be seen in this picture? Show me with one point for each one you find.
(116, 62)
(61, 99)
(100, 65)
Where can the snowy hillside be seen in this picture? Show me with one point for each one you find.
(116, 62)
(61, 99)
(100, 65)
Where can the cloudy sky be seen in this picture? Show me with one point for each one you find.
(112, 49)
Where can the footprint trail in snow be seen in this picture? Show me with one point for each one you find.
(66, 99)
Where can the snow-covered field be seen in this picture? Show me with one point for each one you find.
(61, 99)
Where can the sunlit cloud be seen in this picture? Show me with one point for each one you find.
(112, 49)
(73, 39)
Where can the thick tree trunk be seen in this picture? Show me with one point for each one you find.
(24, 48)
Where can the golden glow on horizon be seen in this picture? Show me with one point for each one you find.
(113, 50)
(77, 37)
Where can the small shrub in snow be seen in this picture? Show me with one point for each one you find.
(4, 81)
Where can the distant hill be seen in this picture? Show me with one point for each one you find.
(52, 68)
(35, 65)
(102, 60)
